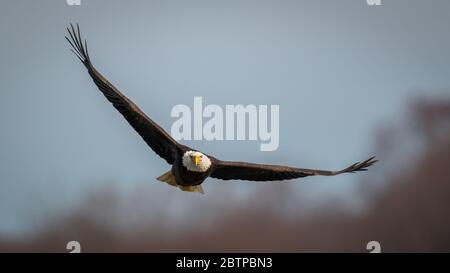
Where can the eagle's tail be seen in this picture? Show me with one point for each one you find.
(169, 178)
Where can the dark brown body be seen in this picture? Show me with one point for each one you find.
(185, 177)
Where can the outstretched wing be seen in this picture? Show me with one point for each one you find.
(159, 140)
(227, 170)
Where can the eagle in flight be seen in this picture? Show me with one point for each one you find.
(190, 167)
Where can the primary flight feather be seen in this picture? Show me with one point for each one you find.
(190, 167)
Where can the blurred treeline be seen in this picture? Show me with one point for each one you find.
(406, 208)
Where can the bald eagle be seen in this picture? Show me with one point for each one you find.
(190, 167)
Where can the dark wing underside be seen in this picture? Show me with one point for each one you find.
(159, 140)
(227, 170)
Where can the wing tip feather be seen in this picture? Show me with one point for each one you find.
(76, 42)
(359, 166)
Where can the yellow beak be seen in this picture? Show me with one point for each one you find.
(197, 159)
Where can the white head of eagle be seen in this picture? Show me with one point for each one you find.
(196, 162)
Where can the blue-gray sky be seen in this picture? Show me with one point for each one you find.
(338, 70)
